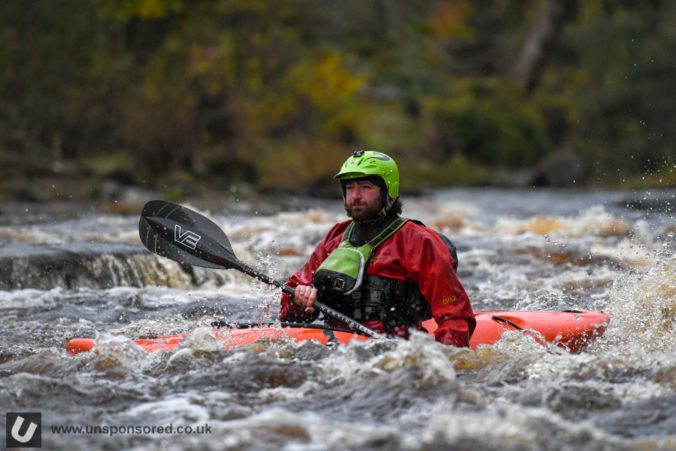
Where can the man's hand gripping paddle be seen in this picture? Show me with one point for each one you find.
(185, 236)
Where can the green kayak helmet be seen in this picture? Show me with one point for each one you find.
(369, 163)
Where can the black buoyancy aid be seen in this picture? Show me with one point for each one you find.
(392, 302)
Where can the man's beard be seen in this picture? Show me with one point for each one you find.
(364, 212)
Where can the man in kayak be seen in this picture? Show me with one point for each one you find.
(385, 271)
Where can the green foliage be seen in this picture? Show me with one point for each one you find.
(617, 72)
(457, 170)
(492, 124)
(277, 94)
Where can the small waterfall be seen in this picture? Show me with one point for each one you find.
(97, 266)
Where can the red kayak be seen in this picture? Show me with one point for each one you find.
(571, 330)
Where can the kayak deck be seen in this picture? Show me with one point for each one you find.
(571, 330)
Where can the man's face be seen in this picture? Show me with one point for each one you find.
(363, 200)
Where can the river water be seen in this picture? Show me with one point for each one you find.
(78, 273)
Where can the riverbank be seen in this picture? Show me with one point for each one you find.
(115, 190)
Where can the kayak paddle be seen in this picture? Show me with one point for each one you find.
(183, 235)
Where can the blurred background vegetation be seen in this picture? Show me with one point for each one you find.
(190, 95)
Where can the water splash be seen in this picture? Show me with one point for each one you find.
(643, 305)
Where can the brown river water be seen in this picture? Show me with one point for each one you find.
(85, 274)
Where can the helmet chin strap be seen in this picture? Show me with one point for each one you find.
(387, 203)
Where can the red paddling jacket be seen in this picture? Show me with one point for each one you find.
(414, 256)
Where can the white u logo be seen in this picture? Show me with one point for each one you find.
(25, 438)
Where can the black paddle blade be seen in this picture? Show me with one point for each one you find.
(183, 235)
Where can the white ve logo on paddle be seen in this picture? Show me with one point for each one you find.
(187, 238)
